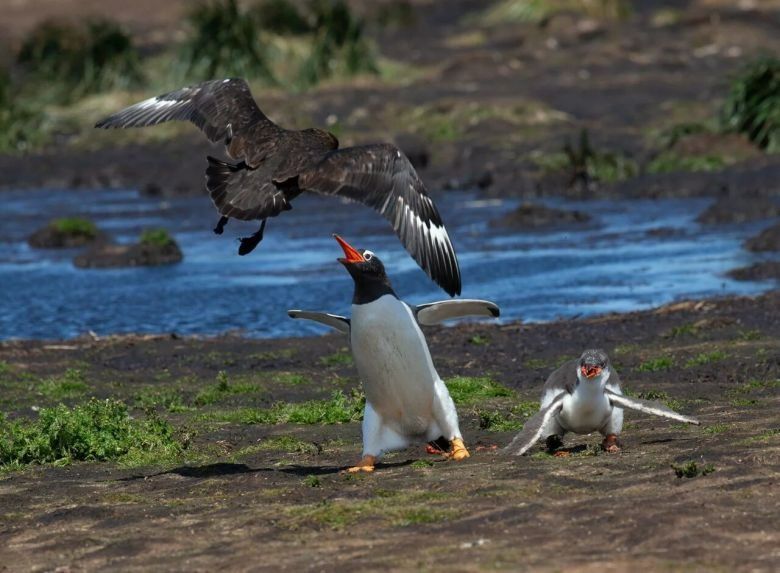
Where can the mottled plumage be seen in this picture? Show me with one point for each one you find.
(274, 165)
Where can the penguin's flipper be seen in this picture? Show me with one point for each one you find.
(435, 312)
(340, 323)
(534, 427)
(649, 407)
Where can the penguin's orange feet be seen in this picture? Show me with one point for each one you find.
(611, 444)
(366, 464)
(562, 454)
(457, 451)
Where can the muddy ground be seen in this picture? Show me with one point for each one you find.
(242, 500)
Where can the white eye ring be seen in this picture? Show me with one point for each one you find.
(368, 255)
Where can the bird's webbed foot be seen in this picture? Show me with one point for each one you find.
(220, 228)
(248, 244)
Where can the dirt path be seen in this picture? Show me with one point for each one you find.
(249, 500)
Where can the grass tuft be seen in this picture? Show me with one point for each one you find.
(466, 389)
(97, 430)
(339, 409)
(691, 469)
(76, 61)
(706, 358)
(222, 389)
(753, 104)
(656, 364)
(341, 358)
(70, 385)
(224, 42)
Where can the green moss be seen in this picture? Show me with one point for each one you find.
(744, 402)
(706, 358)
(70, 385)
(312, 481)
(339, 409)
(467, 390)
(156, 238)
(498, 421)
(75, 227)
(534, 363)
(656, 364)
(341, 358)
(764, 436)
(688, 329)
(421, 464)
(287, 444)
(98, 430)
(749, 335)
(672, 161)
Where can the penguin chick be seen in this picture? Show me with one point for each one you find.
(584, 396)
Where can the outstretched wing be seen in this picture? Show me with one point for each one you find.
(534, 427)
(340, 323)
(220, 108)
(649, 407)
(436, 312)
(382, 177)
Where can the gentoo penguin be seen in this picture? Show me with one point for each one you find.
(406, 401)
(584, 396)
(274, 165)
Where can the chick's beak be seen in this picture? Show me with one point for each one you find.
(352, 255)
(590, 370)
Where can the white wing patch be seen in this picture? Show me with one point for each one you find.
(649, 408)
(534, 428)
(340, 323)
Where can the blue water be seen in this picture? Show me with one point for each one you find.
(610, 264)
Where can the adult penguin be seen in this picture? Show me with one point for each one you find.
(406, 400)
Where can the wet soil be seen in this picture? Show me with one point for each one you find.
(236, 506)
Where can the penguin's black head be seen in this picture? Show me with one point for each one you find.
(367, 271)
(593, 362)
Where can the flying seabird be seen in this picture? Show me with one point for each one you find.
(406, 400)
(274, 165)
(584, 396)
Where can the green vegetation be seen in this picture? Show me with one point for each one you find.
(341, 358)
(656, 364)
(753, 104)
(400, 509)
(764, 436)
(467, 390)
(70, 385)
(671, 161)
(716, 429)
(687, 329)
(338, 45)
(339, 409)
(312, 481)
(223, 42)
(288, 445)
(539, 11)
(171, 399)
(21, 126)
(691, 469)
(291, 379)
(156, 238)
(222, 389)
(706, 358)
(585, 164)
(534, 363)
(500, 421)
(280, 17)
(97, 430)
(421, 464)
(478, 340)
(75, 61)
(753, 386)
(75, 227)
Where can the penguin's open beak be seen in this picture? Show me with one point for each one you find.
(590, 370)
(352, 255)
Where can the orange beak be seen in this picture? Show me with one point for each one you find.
(352, 255)
(590, 371)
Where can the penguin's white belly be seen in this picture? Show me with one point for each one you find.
(586, 410)
(394, 364)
